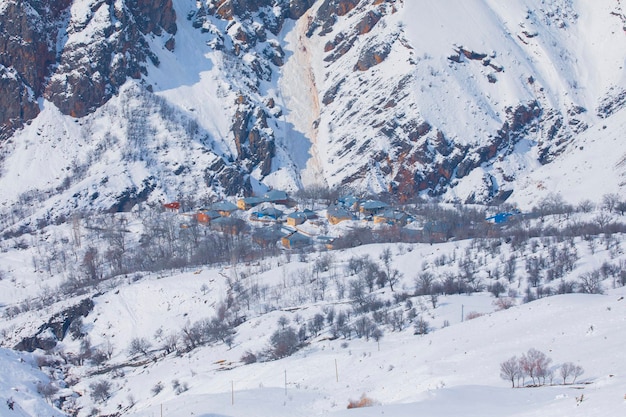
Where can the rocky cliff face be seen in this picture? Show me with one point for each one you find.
(27, 31)
(105, 47)
(402, 147)
(75, 54)
(250, 46)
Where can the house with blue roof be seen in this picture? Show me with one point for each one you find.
(296, 218)
(268, 213)
(276, 197)
(337, 214)
(392, 217)
(372, 207)
(296, 240)
(224, 208)
(502, 217)
(247, 203)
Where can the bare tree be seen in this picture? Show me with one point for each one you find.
(139, 345)
(170, 342)
(316, 324)
(570, 369)
(533, 268)
(621, 207)
(357, 291)
(496, 289)
(363, 327)
(421, 326)
(510, 370)
(100, 391)
(283, 321)
(602, 219)
(355, 264)
(47, 390)
(586, 206)
(590, 283)
(392, 275)
(610, 201)
(204, 288)
(566, 370)
(98, 357)
(535, 364)
(370, 273)
(424, 283)
(509, 268)
(576, 372)
(85, 351)
(284, 342)
(91, 263)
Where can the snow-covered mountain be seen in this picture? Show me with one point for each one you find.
(106, 104)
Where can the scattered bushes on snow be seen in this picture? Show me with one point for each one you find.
(179, 387)
(157, 388)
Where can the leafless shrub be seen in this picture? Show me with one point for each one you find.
(504, 303)
(157, 388)
(472, 315)
(100, 390)
(590, 283)
(364, 401)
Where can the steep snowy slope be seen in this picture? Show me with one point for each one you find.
(20, 382)
(156, 101)
(461, 99)
(592, 166)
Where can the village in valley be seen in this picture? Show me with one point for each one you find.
(276, 218)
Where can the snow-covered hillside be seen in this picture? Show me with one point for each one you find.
(20, 382)
(453, 368)
(130, 306)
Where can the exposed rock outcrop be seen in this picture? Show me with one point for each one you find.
(373, 55)
(56, 328)
(17, 102)
(26, 33)
(85, 73)
(327, 15)
(90, 71)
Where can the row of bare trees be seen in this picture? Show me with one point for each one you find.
(535, 365)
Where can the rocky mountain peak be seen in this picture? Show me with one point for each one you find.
(75, 60)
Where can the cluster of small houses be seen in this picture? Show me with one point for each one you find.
(263, 209)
